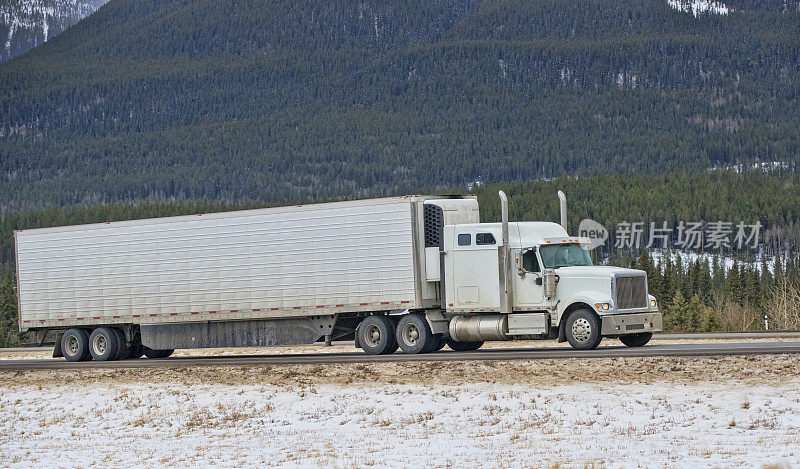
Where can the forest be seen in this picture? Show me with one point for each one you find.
(154, 100)
(727, 289)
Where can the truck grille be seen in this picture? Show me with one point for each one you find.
(631, 292)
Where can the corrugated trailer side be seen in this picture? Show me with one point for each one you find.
(267, 263)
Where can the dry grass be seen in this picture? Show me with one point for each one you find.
(756, 369)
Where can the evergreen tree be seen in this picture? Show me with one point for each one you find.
(676, 317)
(9, 336)
(695, 315)
(711, 321)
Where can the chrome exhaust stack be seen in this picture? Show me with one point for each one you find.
(506, 286)
(562, 198)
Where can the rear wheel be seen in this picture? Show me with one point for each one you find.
(150, 353)
(414, 335)
(441, 343)
(636, 340)
(103, 344)
(136, 350)
(376, 335)
(75, 345)
(464, 346)
(123, 351)
(583, 330)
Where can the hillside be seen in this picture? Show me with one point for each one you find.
(24, 24)
(279, 100)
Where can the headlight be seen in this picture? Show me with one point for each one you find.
(602, 306)
(653, 303)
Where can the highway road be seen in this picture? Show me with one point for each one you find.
(671, 350)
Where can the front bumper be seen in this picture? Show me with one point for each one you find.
(633, 323)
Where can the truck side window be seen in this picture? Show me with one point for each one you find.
(464, 239)
(529, 261)
(484, 238)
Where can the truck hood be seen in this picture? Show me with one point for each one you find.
(595, 271)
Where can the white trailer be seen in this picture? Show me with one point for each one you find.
(373, 271)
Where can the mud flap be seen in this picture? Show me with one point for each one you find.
(57, 352)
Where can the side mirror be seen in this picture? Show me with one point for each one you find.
(521, 272)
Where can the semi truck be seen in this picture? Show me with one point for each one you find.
(413, 272)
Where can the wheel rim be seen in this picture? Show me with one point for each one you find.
(410, 334)
(100, 344)
(72, 345)
(373, 335)
(581, 330)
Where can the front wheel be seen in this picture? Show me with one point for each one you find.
(583, 330)
(636, 340)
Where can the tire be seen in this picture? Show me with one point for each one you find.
(136, 350)
(414, 335)
(376, 335)
(583, 330)
(75, 345)
(464, 346)
(150, 353)
(103, 344)
(442, 342)
(123, 351)
(636, 340)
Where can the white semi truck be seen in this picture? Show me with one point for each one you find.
(414, 272)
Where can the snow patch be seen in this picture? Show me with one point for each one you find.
(699, 7)
(147, 424)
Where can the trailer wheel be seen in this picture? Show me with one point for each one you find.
(103, 344)
(75, 345)
(464, 346)
(376, 335)
(414, 335)
(150, 353)
(636, 340)
(583, 330)
(123, 351)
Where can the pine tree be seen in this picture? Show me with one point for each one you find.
(9, 332)
(677, 313)
(711, 320)
(733, 284)
(695, 315)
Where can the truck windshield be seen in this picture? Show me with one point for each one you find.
(564, 255)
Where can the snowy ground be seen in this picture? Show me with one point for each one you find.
(604, 412)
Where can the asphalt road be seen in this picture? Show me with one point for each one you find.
(681, 350)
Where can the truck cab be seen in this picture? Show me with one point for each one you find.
(539, 282)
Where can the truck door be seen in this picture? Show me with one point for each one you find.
(526, 290)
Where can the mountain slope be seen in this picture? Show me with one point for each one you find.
(280, 100)
(24, 24)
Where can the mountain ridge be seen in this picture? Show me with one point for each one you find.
(278, 100)
(25, 24)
